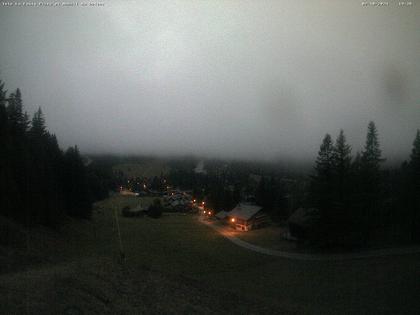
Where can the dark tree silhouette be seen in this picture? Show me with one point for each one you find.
(342, 167)
(38, 128)
(38, 183)
(413, 188)
(322, 181)
(371, 155)
(370, 182)
(371, 160)
(75, 185)
(18, 120)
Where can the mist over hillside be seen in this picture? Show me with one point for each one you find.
(249, 80)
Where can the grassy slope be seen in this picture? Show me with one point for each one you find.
(175, 264)
(269, 237)
(178, 245)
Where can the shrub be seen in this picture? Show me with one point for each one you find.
(155, 210)
(126, 211)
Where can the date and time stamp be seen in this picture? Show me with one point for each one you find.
(102, 4)
(387, 3)
(48, 4)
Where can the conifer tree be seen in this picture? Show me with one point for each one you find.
(17, 118)
(5, 172)
(342, 166)
(371, 155)
(34, 173)
(415, 155)
(414, 187)
(324, 162)
(370, 163)
(38, 123)
(76, 184)
(3, 97)
(370, 182)
(321, 185)
(3, 112)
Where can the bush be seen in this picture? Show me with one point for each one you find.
(155, 210)
(128, 212)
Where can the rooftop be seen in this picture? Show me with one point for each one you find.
(244, 211)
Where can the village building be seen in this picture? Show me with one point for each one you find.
(246, 216)
(178, 200)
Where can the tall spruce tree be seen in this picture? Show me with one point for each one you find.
(17, 155)
(321, 185)
(415, 156)
(324, 161)
(5, 169)
(370, 163)
(3, 93)
(342, 167)
(78, 200)
(371, 155)
(3, 114)
(17, 118)
(370, 183)
(414, 188)
(38, 123)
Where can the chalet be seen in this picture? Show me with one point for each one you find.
(246, 216)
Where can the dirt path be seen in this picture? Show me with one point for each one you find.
(227, 232)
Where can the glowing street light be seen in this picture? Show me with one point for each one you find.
(233, 219)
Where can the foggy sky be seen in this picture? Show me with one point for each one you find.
(246, 79)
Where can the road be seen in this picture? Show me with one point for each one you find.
(226, 231)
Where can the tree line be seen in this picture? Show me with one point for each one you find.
(357, 200)
(39, 183)
(356, 196)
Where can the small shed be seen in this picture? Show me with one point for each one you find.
(245, 217)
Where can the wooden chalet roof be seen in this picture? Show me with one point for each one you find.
(244, 211)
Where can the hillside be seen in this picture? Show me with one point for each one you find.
(77, 271)
(177, 265)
